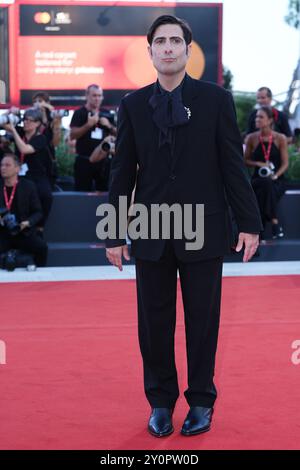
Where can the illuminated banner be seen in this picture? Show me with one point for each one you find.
(63, 49)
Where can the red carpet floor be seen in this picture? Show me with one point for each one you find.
(73, 378)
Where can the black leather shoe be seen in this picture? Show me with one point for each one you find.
(160, 422)
(198, 420)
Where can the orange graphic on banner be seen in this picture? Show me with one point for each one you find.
(73, 62)
(42, 17)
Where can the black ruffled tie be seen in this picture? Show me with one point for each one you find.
(168, 112)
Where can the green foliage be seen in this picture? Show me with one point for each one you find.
(293, 173)
(65, 158)
(227, 78)
(244, 106)
(293, 16)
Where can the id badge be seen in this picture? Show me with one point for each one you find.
(23, 170)
(97, 134)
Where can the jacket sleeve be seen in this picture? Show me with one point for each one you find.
(35, 208)
(251, 123)
(123, 171)
(240, 194)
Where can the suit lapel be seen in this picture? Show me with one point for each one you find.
(189, 94)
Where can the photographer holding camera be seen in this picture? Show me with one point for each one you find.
(51, 126)
(90, 128)
(104, 150)
(266, 151)
(20, 212)
(33, 153)
(264, 97)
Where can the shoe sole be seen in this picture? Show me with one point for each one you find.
(162, 434)
(194, 433)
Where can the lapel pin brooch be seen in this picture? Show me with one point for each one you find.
(188, 112)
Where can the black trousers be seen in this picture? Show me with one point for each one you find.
(46, 198)
(45, 194)
(156, 294)
(91, 176)
(29, 243)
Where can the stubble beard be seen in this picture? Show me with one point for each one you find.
(169, 71)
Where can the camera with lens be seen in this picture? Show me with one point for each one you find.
(110, 115)
(12, 259)
(107, 146)
(53, 113)
(59, 113)
(9, 221)
(266, 171)
(9, 119)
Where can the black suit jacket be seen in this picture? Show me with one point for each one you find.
(207, 168)
(28, 203)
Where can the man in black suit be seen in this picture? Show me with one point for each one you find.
(182, 136)
(19, 197)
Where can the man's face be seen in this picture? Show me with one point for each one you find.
(263, 99)
(9, 168)
(94, 97)
(169, 52)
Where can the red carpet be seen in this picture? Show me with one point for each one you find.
(73, 378)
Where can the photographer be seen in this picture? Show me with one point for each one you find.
(4, 146)
(21, 211)
(89, 128)
(104, 150)
(266, 152)
(33, 153)
(51, 126)
(264, 97)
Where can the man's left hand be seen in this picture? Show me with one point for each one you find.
(251, 242)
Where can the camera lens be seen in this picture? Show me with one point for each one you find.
(105, 146)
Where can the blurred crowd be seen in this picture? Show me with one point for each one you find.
(29, 172)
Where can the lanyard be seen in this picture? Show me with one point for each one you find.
(8, 202)
(266, 152)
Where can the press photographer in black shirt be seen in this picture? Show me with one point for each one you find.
(89, 128)
(18, 196)
(51, 126)
(33, 153)
(264, 97)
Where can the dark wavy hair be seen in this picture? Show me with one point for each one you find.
(265, 88)
(34, 114)
(267, 110)
(169, 19)
(43, 95)
(13, 157)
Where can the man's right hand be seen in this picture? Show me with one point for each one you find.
(93, 119)
(114, 255)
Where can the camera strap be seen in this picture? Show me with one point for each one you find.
(267, 152)
(8, 202)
